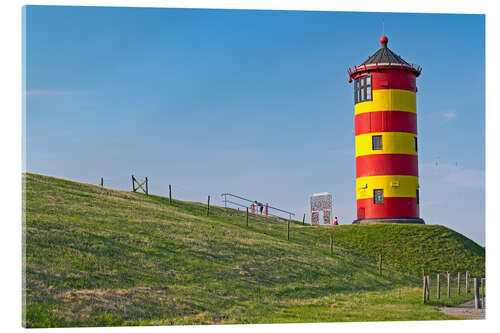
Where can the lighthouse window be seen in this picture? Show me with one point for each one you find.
(377, 142)
(416, 145)
(418, 198)
(363, 89)
(378, 196)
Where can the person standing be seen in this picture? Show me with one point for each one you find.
(261, 207)
(335, 221)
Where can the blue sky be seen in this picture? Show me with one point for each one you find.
(255, 103)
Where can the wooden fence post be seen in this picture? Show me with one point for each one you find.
(208, 206)
(304, 219)
(458, 283)
(102, 181)
(483, 285)
(133, 183)
(467, 282)
(424, 292)
(170, 193)
(438, 286)
(288, 231)
(449, 284)
(477, 302)
(247, 216)
(147, 192)
(428, 287)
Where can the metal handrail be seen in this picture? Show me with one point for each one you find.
(383, 65)
(235, 203)
(248, 200)
(223, 194)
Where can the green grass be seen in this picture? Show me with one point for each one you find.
(100, 257)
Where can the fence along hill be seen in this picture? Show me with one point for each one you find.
(98, 257)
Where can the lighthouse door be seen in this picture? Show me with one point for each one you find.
(361, 212)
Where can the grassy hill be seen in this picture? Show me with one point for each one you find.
(96, 257)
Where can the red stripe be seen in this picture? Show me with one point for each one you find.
(386, 164)
(392, 79)
(385, 121)
(392, 207)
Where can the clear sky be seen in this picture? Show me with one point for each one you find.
(250, 102)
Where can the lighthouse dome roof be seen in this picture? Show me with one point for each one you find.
(384, 55)
(383, 59)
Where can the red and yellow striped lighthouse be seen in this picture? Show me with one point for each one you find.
(385, 114)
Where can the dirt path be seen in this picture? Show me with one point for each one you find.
(465, 310)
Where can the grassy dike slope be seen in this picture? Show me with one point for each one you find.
(97, 257)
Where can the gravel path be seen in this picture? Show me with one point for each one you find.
(465, 310)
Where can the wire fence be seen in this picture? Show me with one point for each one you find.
(440, 286)
(436, 285)
(187, 193)
(180, 192)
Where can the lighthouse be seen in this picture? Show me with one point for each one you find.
(385, 125)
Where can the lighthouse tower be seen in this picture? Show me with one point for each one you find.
(385, 121)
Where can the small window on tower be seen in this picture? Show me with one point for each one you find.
(363, 89)
(377, 142)
(378, 196)
(418, 198)
(416, 145)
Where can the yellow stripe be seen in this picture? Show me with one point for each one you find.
(407, 188)
(389, 100)
(392, 143)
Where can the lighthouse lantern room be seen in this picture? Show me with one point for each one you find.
(385, 122)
